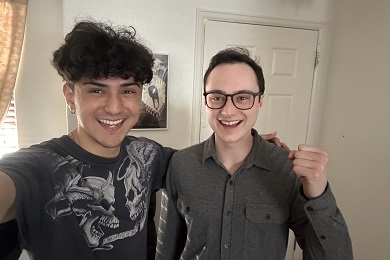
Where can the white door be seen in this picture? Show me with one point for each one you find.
(287, 56)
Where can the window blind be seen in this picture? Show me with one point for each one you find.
(8, 131)
(10, 120)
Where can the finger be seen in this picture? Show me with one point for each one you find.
(276, 141)
(308, 148)
(309, 173)
(312, 156)
(285, 146)
(308, 169)
(310, 164)
(268, 136)
(291, 154)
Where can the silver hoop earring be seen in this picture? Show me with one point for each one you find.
(72, 111)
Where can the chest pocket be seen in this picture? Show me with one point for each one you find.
(266, 214)
(266, 226)
(199, 210)
(202, 218)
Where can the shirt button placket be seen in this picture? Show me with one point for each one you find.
(227, 219)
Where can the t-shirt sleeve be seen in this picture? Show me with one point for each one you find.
(22, 167)
(163, 157)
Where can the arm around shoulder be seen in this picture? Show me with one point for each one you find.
(7, 198)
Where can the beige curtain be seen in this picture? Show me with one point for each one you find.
(12, 24)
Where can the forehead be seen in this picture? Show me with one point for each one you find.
(107, 82)
(232, 78)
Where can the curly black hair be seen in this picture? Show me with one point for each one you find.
(97, 50)
(234, 55)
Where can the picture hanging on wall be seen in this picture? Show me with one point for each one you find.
(154, 98)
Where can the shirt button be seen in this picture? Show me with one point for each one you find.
(227, 245)
(323, 237)
(188, 209)
(228, 213)
(268, 217)
(230, 182)
(310, 209)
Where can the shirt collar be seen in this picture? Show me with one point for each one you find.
(258, 155)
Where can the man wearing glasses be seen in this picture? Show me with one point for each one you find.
(235, 196)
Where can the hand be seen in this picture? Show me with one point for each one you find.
(273, 139)
(310, 165)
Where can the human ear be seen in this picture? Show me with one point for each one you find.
(261, 100)
(69, 96)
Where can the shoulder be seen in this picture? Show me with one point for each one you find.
(37, 150)
(139, 142)
(144, 145)
(269, 148)
(189, 157)
(193, 151)
(274, 151)
(133, 140)
(275, 157)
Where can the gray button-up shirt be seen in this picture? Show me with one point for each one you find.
(209, 214)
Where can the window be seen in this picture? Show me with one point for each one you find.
(8, 131)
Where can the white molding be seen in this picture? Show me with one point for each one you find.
(316, 106)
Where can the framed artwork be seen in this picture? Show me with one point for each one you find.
(154, 98)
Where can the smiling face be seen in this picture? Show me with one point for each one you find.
(230, 124)
(106, 110)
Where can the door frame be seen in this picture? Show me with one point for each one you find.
(319, 77)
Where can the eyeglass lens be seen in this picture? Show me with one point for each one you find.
(240, 100)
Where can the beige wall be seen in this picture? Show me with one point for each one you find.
(356, 130)
(357, 107)
(40, 106)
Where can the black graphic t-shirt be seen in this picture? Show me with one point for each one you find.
(72, 204)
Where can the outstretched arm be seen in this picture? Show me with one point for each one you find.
(9, 240)
(7, 198)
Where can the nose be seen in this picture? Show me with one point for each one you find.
(228, 108)
(114, 104)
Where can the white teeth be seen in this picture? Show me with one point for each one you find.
(230, 122)
(111, 123)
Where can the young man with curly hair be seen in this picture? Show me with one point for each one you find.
(86, 195)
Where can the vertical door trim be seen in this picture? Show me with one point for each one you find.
(319, 79)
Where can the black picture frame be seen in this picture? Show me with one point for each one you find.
(154, 113)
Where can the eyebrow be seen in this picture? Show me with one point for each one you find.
(98, 84)
(217, 91)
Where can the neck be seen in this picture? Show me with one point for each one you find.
(98, 150)
(233, 155)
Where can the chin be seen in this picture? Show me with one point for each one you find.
(113, 140)
(227, 138)
(111, 145)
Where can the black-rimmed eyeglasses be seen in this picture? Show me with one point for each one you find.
(241, 100)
